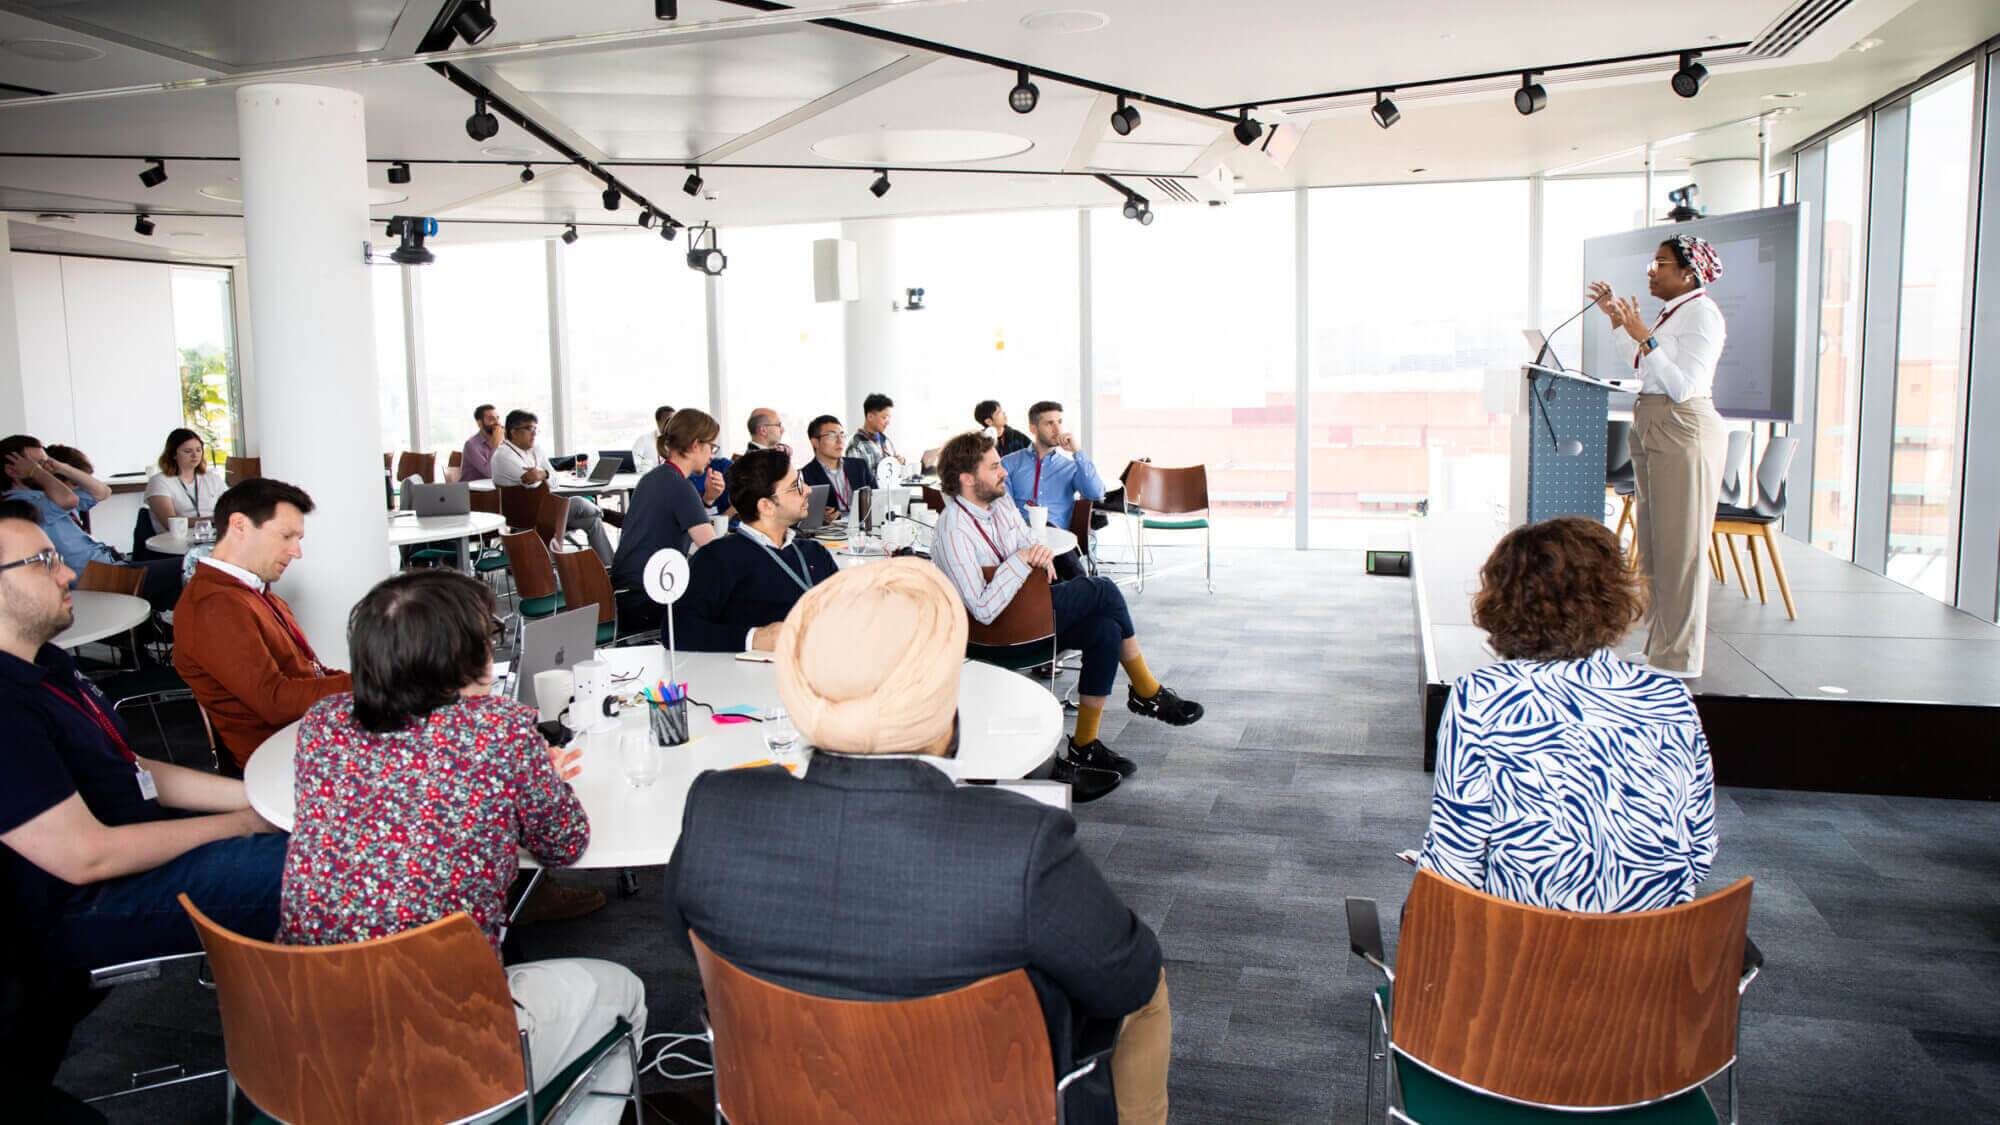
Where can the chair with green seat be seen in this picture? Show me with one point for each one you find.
(1505, 1014)
(536, 594)
(490, 559)
(1171, 500)
(584, 582)
(417, 1027)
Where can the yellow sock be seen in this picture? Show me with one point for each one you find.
(1087, 718)
(1143, 683)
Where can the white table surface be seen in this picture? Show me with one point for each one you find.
(570, 483)
(407, 531)
(100, 615)
(1059, 540)
(1009, 726)
(167, 543)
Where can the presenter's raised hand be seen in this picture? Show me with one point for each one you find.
(1600, 292)
(1632, 320)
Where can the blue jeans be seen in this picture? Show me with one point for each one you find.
(1091, 616)
(234, 882)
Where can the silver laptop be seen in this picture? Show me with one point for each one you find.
(562, 640)
(1545, 351)
(603, 469)
(815, 510)
(442, 499)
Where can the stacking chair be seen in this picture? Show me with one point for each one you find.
(104, 578)
(520, 507)
(1734, 460)
(978, 1053)
(1015, 639)
(490, 558)
(1618, 478)
(551, 517)
(1079, 526)
(933, 499)
(414, 1028)
(1168, 500)
(236, 470)
(536, 594)
(147, 969)
(417, 465)
(584, 582)
(454, 465)
(1501, 1012)
(1756, 521)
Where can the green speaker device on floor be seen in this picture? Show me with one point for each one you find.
(1395, 564)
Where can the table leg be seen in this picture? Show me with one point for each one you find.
(464, 557)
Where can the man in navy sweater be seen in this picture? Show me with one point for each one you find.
(741, 586)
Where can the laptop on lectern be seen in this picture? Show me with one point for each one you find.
(1545, 350)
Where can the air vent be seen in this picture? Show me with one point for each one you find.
(1794, 26)
(1171, 189)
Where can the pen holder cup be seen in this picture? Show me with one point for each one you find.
(669, 722)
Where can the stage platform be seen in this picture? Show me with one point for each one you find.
(1874, 689)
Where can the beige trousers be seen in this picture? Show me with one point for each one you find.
(1677, 454)
(1139, 1063)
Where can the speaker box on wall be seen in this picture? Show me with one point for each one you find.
(836, 276)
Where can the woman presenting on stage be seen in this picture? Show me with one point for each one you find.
(1678, 443)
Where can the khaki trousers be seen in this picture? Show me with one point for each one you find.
(1139, 1063)
(1677, 454)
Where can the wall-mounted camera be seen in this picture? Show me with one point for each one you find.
(913, 301)
(1683, 199)
(409, 231)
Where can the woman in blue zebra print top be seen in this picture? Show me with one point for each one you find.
(1566, 777)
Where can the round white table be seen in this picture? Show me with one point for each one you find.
(1058, 540)
(570, 483)
(1009, 726)
(409, 531)
(167, 543)
(100, 615)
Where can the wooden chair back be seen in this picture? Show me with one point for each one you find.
(520, 507)
(104, 578)
(486, 500)
(417, 465)
(584, 580)
(236, 470)
(456, 460)
(551, 514)
(933, 499)
(528, 559)
(1029, 618)
(1568, 1009)
(388, 459)
(1079, 524)
(978, 1053)
(418, 1027)
(1167, 492)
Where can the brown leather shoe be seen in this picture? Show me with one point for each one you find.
(552, 902)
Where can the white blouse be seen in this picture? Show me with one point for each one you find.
(195, 501)
(1690, 334)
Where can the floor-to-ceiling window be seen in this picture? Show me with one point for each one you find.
(1924, 466)
(485, 335)
(638, 335)
(781, 347)
(1837, 427)
(1574, 210)
(205, 336)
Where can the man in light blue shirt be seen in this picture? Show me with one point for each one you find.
(1052, 472)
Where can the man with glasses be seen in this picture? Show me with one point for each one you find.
(95, 841)
(520, 463)
(842, 476)
(741, 586)
(767, 430)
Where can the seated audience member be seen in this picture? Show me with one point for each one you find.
(184, 486)
(741, 586)
(980, 527)
(476, 461)
(417, 792)
(767, 430)
(519, 462)
(1566, 777)
(60, 493)
(236, 643)
(841, 475)
(871, 441)
(876, 878)
(1006, 438)
(1052, 473)
(666, 511)
(646, 450)
(96, 841)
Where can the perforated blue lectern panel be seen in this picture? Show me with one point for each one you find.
(1558, 485)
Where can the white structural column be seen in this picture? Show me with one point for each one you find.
(13, 396)
(305, 209)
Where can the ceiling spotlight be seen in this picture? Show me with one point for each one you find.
(569, 234)
(1247, 131)
(144, 225)
(1138, 209)
(482, 125)
(1531, 97)
(1125, 118)
(410, 231)
(473, 21)
(666, 9)
(880, 187)
(1023, 97)
(1146, 216)
(155, 173)
(1385, 112)
(1131, 208)
(668, 228)
(1688, 80)
(709, 260)
(611, 198)
(399, 172)
(527, 174)
(692, 185)
(646, 218)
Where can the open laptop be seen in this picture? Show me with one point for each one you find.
(561, 640)
(621, 459)
(442, 499)
(815, 511)
(603, 469)
(1545, 350)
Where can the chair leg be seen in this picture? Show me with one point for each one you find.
(1208, 556)
(1139, 549)
(1715, 557)
(1736, 561)
(1778, 572)
(1756, 568)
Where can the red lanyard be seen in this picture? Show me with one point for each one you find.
(1035, 497)
(1667, 316)
(994, 547)
(842, 490)
(95, 714)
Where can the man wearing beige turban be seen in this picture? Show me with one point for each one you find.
(874, 877)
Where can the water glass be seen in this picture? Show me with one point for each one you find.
(639, 757)
(782, 739)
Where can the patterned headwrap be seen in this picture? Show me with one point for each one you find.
(1701, 256)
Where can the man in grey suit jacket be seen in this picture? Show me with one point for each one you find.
(875, 878)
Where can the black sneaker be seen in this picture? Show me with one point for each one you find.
(1098, 756)
(1085, 784)
(1165, 706)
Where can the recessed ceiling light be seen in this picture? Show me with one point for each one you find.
(511, 152)
(1831, 689)
(186, 234)
(62, 220)
(1415, 171)
(1784, 96)
(1867, 44)
(51, 50)
(1065, 21)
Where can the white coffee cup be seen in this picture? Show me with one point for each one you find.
(593, 684)
(553, 689)
(1038, 521)
(177, 526)
(720, 524)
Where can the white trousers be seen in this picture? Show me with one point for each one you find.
(565, 1006)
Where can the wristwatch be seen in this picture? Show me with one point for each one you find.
(1652, 345)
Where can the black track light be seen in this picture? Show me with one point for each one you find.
(473, 21)
(527, 173)
(155, 173)
(646, 218)
(1138, 209)
(1131, 208)
(710, 259)
(144, 225)
(399, 172)
(1384, 111)
(611, 198)
(1691, 76)
(569, 235)
(482, 125)
(410, 232)
(668, 228)
(692, 185)
(1531, 97)
(1146, 216)
(1125, 118)
(1025, 95)
(666, 9)
(1247, 130)
(880, 187)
